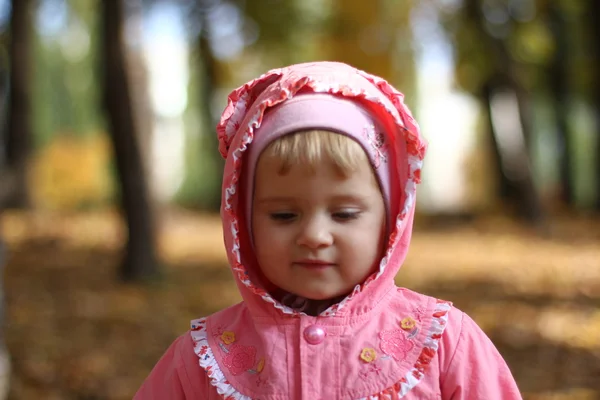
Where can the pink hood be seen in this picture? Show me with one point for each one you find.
(239, 122)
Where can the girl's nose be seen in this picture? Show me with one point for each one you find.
(315, 233)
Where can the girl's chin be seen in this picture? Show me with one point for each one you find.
(324, 296)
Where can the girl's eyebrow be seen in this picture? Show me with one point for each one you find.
(276, 199)
(349, 198)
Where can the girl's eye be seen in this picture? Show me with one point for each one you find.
(283, 216)
(346, 215)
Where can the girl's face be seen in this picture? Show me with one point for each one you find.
(317, 235)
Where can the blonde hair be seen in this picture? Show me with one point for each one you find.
(314, 146)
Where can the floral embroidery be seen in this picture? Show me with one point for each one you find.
(400, 389)
(372, 368)
(368, 354)
(228, 337)
(395, 343)
(240, 358)
(209, 363)
(414, 376)
(408, 324)
(419, 312)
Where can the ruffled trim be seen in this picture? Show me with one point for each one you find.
(209, 363)
(430, 348)
(243, 98)
(399, 390)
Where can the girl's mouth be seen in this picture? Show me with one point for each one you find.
(313, 264)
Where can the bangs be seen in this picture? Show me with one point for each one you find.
(310, 148)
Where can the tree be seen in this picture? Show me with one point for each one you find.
(18, 133)
(4, 358)
(594, 24)
(208, 66)
(140, 260)
(559, 86)
(497, 82)
(6, 189)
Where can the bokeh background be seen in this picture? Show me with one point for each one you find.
(110, 176)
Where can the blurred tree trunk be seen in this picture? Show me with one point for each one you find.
(513, 164)
(140, 260)
(209, 67)
(559, 85)
(4, 355)
(19, 114)
(517, 188)
(6, 188)
(594, 16)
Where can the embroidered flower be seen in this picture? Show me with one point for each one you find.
(261, 365)
(395, 343)
(364, 375)
(368, 354)
(369, 369)
(375, 369)
(228, 337)
(240, 358)
(408, 324)
(419, 312)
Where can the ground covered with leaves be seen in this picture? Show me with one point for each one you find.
(75, 332)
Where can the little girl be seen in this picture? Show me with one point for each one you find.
(322, 163)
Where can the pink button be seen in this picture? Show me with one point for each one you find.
(314, 334)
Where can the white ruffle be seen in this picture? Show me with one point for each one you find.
(209, 363)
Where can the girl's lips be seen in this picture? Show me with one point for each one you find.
(314, 264)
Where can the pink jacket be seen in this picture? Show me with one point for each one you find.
(380, 342)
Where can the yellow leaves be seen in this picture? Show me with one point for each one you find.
(524, 325)
(569, 394)
(72, 172)
(571, 327)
